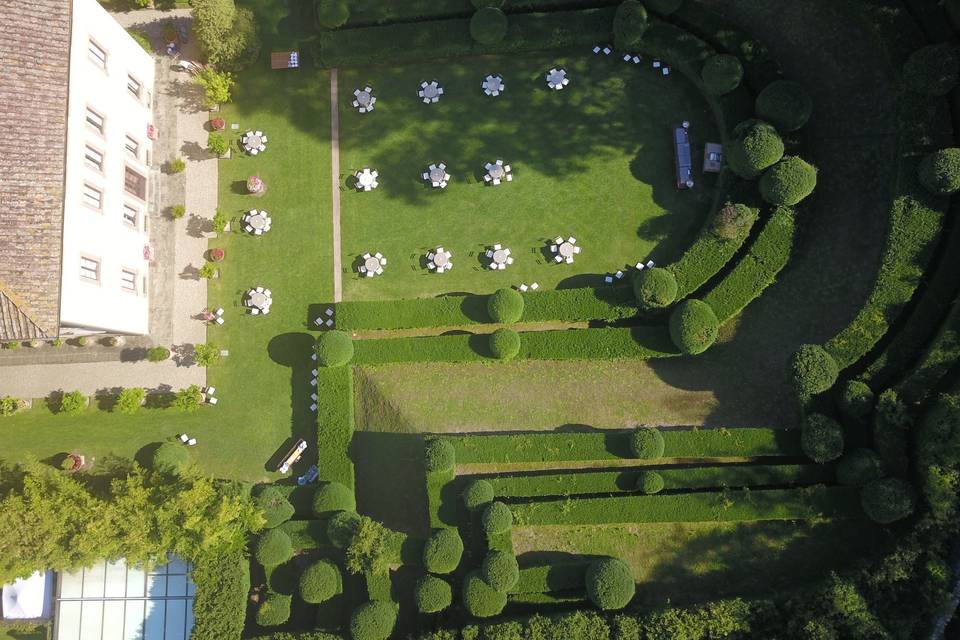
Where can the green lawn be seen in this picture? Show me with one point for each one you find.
(594, 161)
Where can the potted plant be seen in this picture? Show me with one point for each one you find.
(218, 124)
(217, 144)
(158, 354)
(208, 270)
(72, 462)
(114, 341)
(255, 184)
(84, 341)
(217, 254)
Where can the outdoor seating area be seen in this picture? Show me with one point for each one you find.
(292, 456)
(497, 172)
(373, 264)
(256, 222)
(437, 176)
(430, 92)
(564, 250)
(493, 85)
(325, 320)
(258, 300)
(254, 142)
(364, 100)
(367, 179)
(439, 260)
(683, 156)
(499, 257)
(557, 78)
(215, 316)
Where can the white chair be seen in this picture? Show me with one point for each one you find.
(259, 289)
(553, 248)
(443, 184)
(439, 92)
(619, 275)
(665, 71)
(258, 133)
(267, 292)
(523, 288)
(370, 106)
(489, 253)
(329, 323)
(608, 279)
(192, 442)
(570, 260)
(254, 311)
(355, 104)
(506, 168)
(264, 139)
(497, 247)
(266, 310)
(219, 320)
(363, 109)
(577, 249)
(313, 382)
(596, 49)
(313, 407)
(313, 396)
(254, 152)
(362, 269)
(558, 258)
(572, 240)
(650, 264)
(639, 266)
(487, 178)
(431, 266)
(534, 286)
(626, 57)
(426, 176)
(607, 51)
(509, 177)
(558, 240)
(211, 400)
(383, 260)
(258, 232)
(184, 438)
(510, 260)
(496, 181)
(656, 64)
(328, 312)
(210, 391)
(636, 59)
(369, 274)
(219, 311)
(314, 373)
(420, 93)
(380, 271)
(313, 356)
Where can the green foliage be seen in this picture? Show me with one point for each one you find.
(442, 551)
(333, 497)
(646, 443)
(709, 252)
(208, 270)
(663, 7)
(497, 518)
(887, 500)
(332, 14)
(655, 288)
(158, 354)
(72, 403)
(788, 182)
(217, 144)
(938, 457)
(129, 400)
(649, 482)
(177, 165)
(859, 467)
(505, 306)
(856, 399)
(275, 506)
(274, 610)
(373, 620)
(504, 344)
(479, 598)
(733, 221)
(813, 370)
(188, 399)
(220, 604)
(141, 37)
(368, 551)
(432, 594)
(693, 326)
(206, 354)
(220, 220)
(610, 583)
(334, 348)
(274, 548)
(932, 70)
(891, 424)
(335, 423)
(629, 24)
(755, 146)
(786, 104)
(822, 438)
(477, 494)
(500, 570)
(228, 36)
(939, 171)
(721, 74)
(320, 581)
(439, 456)
(488, 25)
(341, 527)
(10, 405)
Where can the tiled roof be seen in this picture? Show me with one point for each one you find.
(34, 58)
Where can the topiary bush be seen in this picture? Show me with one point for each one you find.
(439, 456)
(488, 25)
(733, 221)
(813, 370)
(275, 507)
(610, 583)
(170, 457)
(332, 497)
(629, 24)
(939, 171)
(373, 621)
(334, 348)
(274, 548)
(432, 594)
(821, 438)
(887, 500)
(785, 104)
(721, 74)
(754, 147)
(332, 13)
(663, 7)
(341, 527)
(932, 70)
(693, 326)
(497, 518)
(158, 354)
(442, 551)
(855, 399)
(505, 305)
(479, 598)
(504, 344)
(655, 288)
(646, 443)
(649, 482)
(859, 467)
(72, 403)
(130, 400)
(320, 581)
(477, 494)
(274, 610)
(789, 181)
(500, 570)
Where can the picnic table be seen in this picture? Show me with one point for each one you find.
(430, 91)
(564, 250)
(496, 172)
(285, 59)
(372, 264)
(367, 179)
(557, 78)
(440, 260)
(254, 142)
(437, 175)
(493, 85)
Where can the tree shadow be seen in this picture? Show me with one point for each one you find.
(106, 398)
(197, 226)
(385, 461)
(133, 354)
(193, 151)
(190, 272)
(144, 455)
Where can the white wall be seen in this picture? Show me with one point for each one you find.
(104, 235)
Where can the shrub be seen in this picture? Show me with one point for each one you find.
(227, 35)
(822, 438)
(610, 584)
(9, 405)
(785, 104)
(255, 184)
(334, 348)
(189, 399)
(341, 527)
(859, 467)
(813, 370)
(82, 341)
(755, 146)
(488, 25)
(442, 551)
(500, 570)
(887, 500)
(220, 221)
(208, 270)
(655, 288)
(629, 24)
(368, 551)
(646, 443)
(274, 548)
(332, 497)
(721, 74)
(218, 124)
(177, 211)
(217, 144)
(170, 457)
(789, 181)
(932, 70)
(373, 621)
(15, 344)
(332, 14)
(479, 598)
(141, 37)
(497, 518)
(129, 400)
(274, 610)
(432, 594)
(320, 581)
(940, 171)
(693, 326)
(217, 254)
(177, 165)
(733, 221)
(275, 507)
(649, 482)
(891, 423)
(158, 354)
(477, 494)
(855, 399)
(663, 7)
(439, 456)
(505, 305)
(73, 403)
(206, 354)
(504, 344)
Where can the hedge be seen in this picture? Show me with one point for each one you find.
(440, 504)
(500, 570)
(496, 519)
(335, 422)
(274, 505)
(442, 551)
(939, 172)
(649, 482)
(812, 370)
(936, 360)
(480, 599)
(655, 288)
(432, 594)
(888, 500)
(785, 104)
(334, 349)
(822, 438)
(788, 182)
(663, 7)
(693, 326)
(332, 497)
(373, 621)
(556, 576)
(756, 146)
(477, 495)
(274, 610)
(307, 534)
(170, 457)
(274, 548)
(332, 13)
(932, 70)
(220, 605)
(722, 74)
(439, 456)
(629, 24)
(609, 583)
(646, 443)
(855, 399)
(859, 467)
(488, 25)
(320, 581)
(504, 344)
(371, 12)
(341, 527)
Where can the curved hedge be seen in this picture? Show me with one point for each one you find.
(432, 594)
(756, 145)
(488, 25)
(932, 70)
(610, 583)
(646, 443)
(789, 181)
(785, 104)
(721, 74)
(939, 171)
(500, 570)
(655, 288)
(275, 507)
(855, 399)
(629, 24)
(332, 13)
(477, 494)
(497, 518)
(274, 610)
(504, 344)
(341, 527)
(649, 482)
(334, 348)
(813, 370)
(887, 500)
(821, 438)
(693, 327)
(373, 620)
(332, 497)
(711, 250)
(479, 598)
(859, 467)
(442, 551)
(320, 581)
(439, 456)
(505, 306)
(733, 221)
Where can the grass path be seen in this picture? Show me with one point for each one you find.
(335, 191)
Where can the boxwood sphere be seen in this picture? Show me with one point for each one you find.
(479, 598)
(341, 527)
(649, 482)
(274, 610)
(721, 74)
(334, 348)
(821, 438)
(500, 570)
(755, 146)
(488, 25)
(630, 22)
(655, 288)
(856, 399)
(320, 581)
(477, 494)
(497, 518)
(789, 181)
(332, 13)
(439, 455)
(940, 171)
(813, 370)
(170, 457)
(373, 620)
(859, 467)
(785, 104)
(432, 594)
(504, 344)
(331, 497)
(733, 221)
(610, 583)
(505, 305)
(442, 551)
(693, 326)
(663, 7)
(887, 500)
(274, 548)
(932, 70)
(646, 443)
(275, 507)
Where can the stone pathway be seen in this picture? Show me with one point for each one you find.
(335, 172)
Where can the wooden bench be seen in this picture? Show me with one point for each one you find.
(292, 456)
(285, 60)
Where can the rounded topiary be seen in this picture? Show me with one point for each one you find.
(442, 551)
(497, 518)
(439, 456)
(477, 494)
(334, 349)
(813, 370)
(488, 25)
(501, 570)
(859, 467)
(332, 13)
(693, 326)
(275, 507)
(629, 24)
(341, 527)
(373, 620)
(646, 443)
(480, 4)
(887, 500)
(655, 288)
(721, 74)
(504, 344)
(940, 171)
(479, 598)
(274, 548)
(663, 7)
(432, 594)
(505, 305)
(755, 146)
(785, 104)
(274, 610)
(821, 438)
(932, 70)
(320, 582)
(610, 583)
(170, 457)
(733, 221)
(789, 181)
(856, 399)
(332, 497)
(649, 482)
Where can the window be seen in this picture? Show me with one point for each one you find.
(97, 54)
(134, 183)
(134, 86)
(128, 280)
(132, 146)
(95, 120)
(89, 269)
(94, 158)
(92, 197)
(130, 215)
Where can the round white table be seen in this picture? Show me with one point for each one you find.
(496, 170)
(363, 98)
(555, 77)
(566, 250)
(437, 174)
(500, 256)
(441, 259)
(253, 142)
(493, 83)
(372, 264)
(431, 91)
(365, 178)
(258, 300)
(257, 220)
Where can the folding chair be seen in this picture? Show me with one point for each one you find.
(192, 442)
(184, 438)
(212, 401)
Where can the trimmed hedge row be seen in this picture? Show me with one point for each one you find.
(306, 534)
(938, 358)
(220, 606)
(370, 12)
(335, 423)
(558, 576)
(441, 513)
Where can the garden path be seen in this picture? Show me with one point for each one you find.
(335, 172)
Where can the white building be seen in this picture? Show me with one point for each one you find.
(75, 116)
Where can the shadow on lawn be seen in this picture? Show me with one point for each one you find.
(293, 350)
(385, 461)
